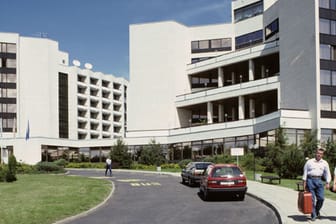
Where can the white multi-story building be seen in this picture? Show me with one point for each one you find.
(49, 107)
(201, 90)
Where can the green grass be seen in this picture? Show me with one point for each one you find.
(45, 198)
(289, 183)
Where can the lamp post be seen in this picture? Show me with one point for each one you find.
(254, 147)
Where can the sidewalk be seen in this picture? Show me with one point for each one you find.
(284, 201)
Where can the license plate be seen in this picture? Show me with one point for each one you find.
(227, 183)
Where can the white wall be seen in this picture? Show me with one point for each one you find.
(158, 57)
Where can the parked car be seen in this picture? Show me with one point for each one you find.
(193, 172)
(223, 178)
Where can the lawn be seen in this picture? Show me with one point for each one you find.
(46, 198)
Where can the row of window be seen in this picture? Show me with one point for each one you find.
(327, 26)
(249, 11)
(328, 103)
(7, 78)
(7, 48)
(211, 45)
(7, 108)
(327, 77)
(7, 63)
(249, 39)
(272, 29)
(7, 93)
(327, 52)
(327, 4)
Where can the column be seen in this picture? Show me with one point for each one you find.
(251, 70)
(220, 112)
(232, 78)
(220, 77)
(263, 108)
(210, 112)
(252, 108)
(241, 108)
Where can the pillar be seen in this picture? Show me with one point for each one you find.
(241, 108)
(210, 112)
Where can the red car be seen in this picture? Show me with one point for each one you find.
(223, 178)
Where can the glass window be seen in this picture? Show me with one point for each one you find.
(11, 108)
(326, 103)
(326, 134)
(203, 44)
(333, 103)
(11, 48)
(333, 78)
(333, 27)
(11, 93)
(11, 63)
(194, 45)
(324, 26)
(272, 29)
(324, 4)
(325, 51)
(325, 77)
(248, 11)
(215, 43)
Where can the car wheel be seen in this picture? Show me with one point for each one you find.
(205, 195)
(241, 196)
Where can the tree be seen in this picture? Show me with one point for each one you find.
(152, 154)
(292, 162)
(330, 153)
(119, 154)
(11, 172)
(275, 151)
(309, 144)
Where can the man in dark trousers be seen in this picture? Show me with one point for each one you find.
(313, 171)
(108, 166)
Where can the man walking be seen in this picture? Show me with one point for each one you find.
(108, 166)
(313, 171)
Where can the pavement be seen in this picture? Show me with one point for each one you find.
(281, 199)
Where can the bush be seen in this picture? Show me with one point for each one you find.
(10, 175)
(61, 162)
(292, 162)
(49, 167)
(25, 168)
(182, 164)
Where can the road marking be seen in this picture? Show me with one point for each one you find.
(129, 180)
(145, 184)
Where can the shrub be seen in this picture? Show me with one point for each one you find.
(61, 162)
(11, 171)
(49, 167)
(182, 164)
(292, 162)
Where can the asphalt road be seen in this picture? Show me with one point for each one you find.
(142, 198)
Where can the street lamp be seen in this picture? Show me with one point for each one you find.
(254, 147)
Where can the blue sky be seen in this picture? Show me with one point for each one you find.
(96, 31)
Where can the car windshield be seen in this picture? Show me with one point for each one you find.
(226, 171)
(202, 166)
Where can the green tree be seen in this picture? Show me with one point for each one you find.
(119, 154)
(330, 153)
(309, 144)
(275, 151)
(11, 172)
(152, 154)
(292, 162)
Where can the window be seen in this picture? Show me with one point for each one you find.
(326, 103)
(324, 26)
(325, 52)
(327, 4)
(272, 29)
(7, 48)
(325, 77)
(248, 11)
(221, 44)
(249, 39)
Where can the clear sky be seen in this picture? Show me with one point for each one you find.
(96, 31)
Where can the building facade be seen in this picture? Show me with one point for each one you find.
(51, 108)
(206, 89)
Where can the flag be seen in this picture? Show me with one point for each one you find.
(27, 131)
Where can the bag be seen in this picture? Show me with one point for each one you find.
(305, 202)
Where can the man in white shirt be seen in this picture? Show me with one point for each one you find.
(313, 171)
(108, 166)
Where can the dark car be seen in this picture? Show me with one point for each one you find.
(193, 172)
(223, 178)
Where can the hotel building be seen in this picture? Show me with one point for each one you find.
(51, 108)
(204, 89)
